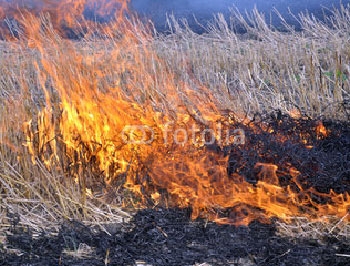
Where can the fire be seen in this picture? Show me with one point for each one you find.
(321, 130)
(114, 111)
(295, 113)
(67, 16)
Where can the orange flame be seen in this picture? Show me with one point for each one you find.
(67, 16)
(117, 106)
(321, 130)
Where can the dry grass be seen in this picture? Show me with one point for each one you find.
(302, 228)
(266, 69)
(259, 71)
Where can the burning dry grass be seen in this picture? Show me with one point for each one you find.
(49, 85)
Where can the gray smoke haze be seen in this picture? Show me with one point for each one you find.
(203, 10)
(210, 6)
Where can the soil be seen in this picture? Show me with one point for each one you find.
(323, 159)
(169, 237)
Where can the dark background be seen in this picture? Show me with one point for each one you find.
(203, 10)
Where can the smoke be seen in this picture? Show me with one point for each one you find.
(89, 9)
(203, 10)
(184, 7)
(155, 10)
(65, 15)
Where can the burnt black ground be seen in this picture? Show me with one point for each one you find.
(322, 160)
(169, 237)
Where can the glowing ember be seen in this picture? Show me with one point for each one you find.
(116, 112)
(321, 130)
(295, 113)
